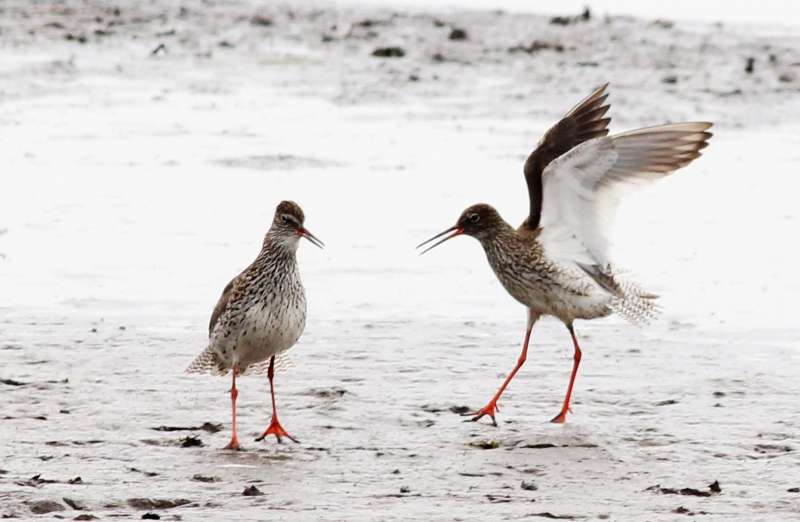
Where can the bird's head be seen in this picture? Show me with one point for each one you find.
(480, 221)
(287, 225)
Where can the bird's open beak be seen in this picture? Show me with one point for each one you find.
(308, 235)
(456, 231)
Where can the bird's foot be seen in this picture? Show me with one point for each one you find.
(561, 418)
(490, 409)
(276, 429)
(233, 444)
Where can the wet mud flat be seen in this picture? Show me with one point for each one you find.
(147, 147)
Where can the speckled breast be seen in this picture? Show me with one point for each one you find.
(267, 321)
(273, 328)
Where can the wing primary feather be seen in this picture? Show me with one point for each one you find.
(583, 188)
(584, 122)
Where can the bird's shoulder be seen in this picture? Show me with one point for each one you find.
(222, 304)
(518, 246)
(232, 292)
(529, 236)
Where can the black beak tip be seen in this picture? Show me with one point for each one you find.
(311, 238)
(456, 231)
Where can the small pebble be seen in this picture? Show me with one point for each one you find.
(389, 52)
(458, 34)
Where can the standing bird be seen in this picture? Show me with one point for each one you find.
(557, 262)
(261, 314)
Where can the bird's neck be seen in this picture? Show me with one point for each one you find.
(500, 234)
(279, 246)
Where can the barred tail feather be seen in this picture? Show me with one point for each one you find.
(282, 363)
(634, 304)
(630, 300)
(207, 362)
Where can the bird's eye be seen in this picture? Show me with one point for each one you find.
(474, 218)
(286, 219)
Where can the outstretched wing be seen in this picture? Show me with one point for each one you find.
(584, 122)
(582, 188)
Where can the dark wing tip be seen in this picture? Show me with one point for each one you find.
(585, 121)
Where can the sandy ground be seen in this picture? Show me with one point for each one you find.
(144, 150)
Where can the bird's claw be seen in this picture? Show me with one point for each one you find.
(490, 410)
(276, 429)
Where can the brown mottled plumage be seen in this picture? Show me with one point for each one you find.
(557, 262)
(261, 312)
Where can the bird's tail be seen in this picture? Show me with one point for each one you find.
(635, 305)
(208, 362)
(630, 300)
(282, 363)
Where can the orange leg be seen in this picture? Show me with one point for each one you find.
(274, 427)
(234, 443)
(491, 408)
(576, 361)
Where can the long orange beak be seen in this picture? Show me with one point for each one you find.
(456, 231)
(308, 235)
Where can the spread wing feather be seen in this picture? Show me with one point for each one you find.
(582, 188)
(584, 122)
